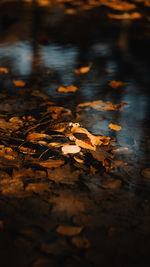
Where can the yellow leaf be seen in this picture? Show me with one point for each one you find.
(19, 83)
(118, 5)
(115, 127)
(68, 89)
(69, 230)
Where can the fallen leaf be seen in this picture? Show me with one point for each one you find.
(118, 5)
(3, 70)
(19, 83)
(38, 188)
(51, 163)
(64, 175)
(40, 94)
(7, 153)
(67, 203)
(70, 149)
(34, 137)
(115, 84)
(83, 70)
(68, 89)
(13, 124)
(22, 172)
(100, 105)
(115, 127)
(69, 230)
(124, 16)
(27, 150)
(57, 112)
(111, 184)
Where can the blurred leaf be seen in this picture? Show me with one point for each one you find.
(68, 89)
(69, 230)
(19, 83)
(115, 127)
(124, 16)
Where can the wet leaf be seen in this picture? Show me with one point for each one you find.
(115, 84)
(68, 89)
(111, 184)
(118, 5)
(52, 163)
(27, 150)
(124, 16)
(115, 127)
(3, 70)
(64, 175)
(19, 83)
(58, 112)
(69, 230)
(39, 94)
(7, 153)
(13, 124)
(83, 70)
(70, 149)
(67, 203)
(101, 105)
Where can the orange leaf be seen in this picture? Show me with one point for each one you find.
(115, 84)
(19, 83)
(69, 230)
(83, 70)
(115, 127)
(3, 70)
(68, 89)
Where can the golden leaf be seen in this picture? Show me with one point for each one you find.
(118, 5)
(115, 127)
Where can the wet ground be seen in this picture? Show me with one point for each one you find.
(90, 208)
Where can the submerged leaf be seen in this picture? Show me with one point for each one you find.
(3, 70)
(124, 16)
(115, 84)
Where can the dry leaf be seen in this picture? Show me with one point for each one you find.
(51, 163)
(3, 70)
(70, 149)
(69, 230)
(19, 83)
(7, 153)
(83, 70)
(118, 5)
(13, 124)
(34, 137)
(116, 84)
(124, 16)
(115, 127)
(68, 89)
